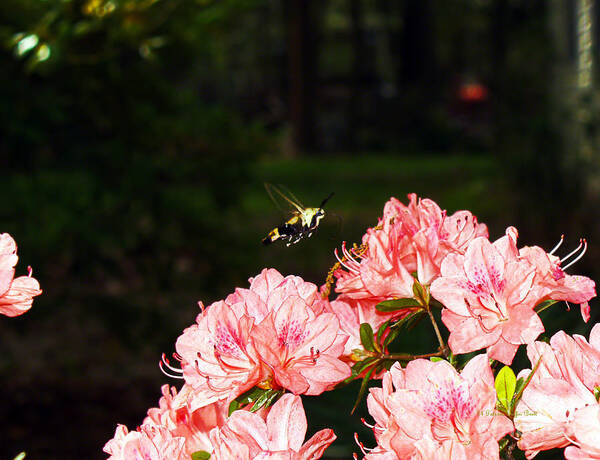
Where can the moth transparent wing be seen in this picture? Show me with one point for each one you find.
(280, 194)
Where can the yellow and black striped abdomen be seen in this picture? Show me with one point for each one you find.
(290, 230)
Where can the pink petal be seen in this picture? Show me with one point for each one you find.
(478, 370)
(575, 453)
(316, 445)
(584, 430)
(595, 337)
(541, 414)
(468, 335)
(502, 351)
(484, 266)
(286, 423)
(451, 293)
(19, 297)
(327, 373)
(267, 280)
(585, 311)
(250, 428)
(524, 326)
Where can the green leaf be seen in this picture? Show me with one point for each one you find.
(408, 320)
(381, 330)
(248, 397)
(413, 319)
(266, 399)
(233, 406)
(362, 365)
(366, 336)
(391, 336)
(417, 290)
(597, 393)
(421, 293)
(251, 395)
(363, 388)
(452, 359)
(200, 455)
(542, 306)
(435, 359)
(519, 387)
(397, 304)
(506, 382)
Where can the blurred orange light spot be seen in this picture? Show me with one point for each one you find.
(472, 92)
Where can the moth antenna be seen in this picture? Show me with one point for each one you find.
(326, 200)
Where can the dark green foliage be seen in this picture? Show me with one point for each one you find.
(257, 398)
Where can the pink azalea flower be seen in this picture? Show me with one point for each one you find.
(150, 442)
(583, 430)
(16, 294)
(219, 359)
(247, 436)
(564, 382)
(232, 348)
(301, 349)
(551, 282)
(430, 407)
(175, 413)
(409, 239)
(486, 295)
(8, 260)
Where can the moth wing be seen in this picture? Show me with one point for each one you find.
(285, 200)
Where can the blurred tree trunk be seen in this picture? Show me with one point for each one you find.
(499, 17)
(388, 14)
(574, 28)
(417, 43)
(417, 71)
(359, 72)
(301, 30)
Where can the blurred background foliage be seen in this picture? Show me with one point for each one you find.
(136, 136)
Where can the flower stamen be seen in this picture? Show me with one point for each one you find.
(363, 449)
(579, 256)
(368, 425)
(164, 362)
(341, 262)
(572, 252)
(558, 245)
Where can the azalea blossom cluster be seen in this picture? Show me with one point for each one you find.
(175, 431)
(16, 294)
(276, 336)
(428, 410)
(560, 406)
(247, 359)
(488, 290)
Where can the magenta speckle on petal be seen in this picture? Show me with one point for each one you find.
(291, 335)
(557, 273)
(227, 341)
(448, 402)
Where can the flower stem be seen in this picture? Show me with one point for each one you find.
(407, 357)
(443, 348)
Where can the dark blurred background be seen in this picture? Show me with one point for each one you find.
(136, 135)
